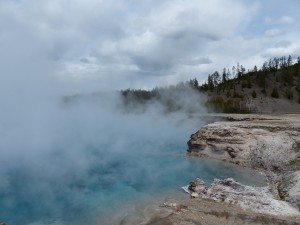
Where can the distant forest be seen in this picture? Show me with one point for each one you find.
(231, 90)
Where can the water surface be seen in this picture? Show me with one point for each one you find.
(89, 167)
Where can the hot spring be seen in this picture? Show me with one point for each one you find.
(83, 163)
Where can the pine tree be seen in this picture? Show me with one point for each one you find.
(289, 61)
(276, 61)
(216, 78)
(255, 69)
(275, 93)
(224, 76)
(228, 75)
(210, 83)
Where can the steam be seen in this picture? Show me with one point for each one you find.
(54, 152)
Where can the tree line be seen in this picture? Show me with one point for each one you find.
(238, 72)
(229, 83)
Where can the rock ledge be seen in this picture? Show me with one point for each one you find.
(256, 199)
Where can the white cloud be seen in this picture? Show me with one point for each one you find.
(284, 50)
(285, 19)
(272, 32)
(279, 20)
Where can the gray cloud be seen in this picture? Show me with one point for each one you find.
(196, 61)
(97, 42)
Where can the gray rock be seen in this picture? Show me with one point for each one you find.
(256, 199)
(270, 143)
(289, 188)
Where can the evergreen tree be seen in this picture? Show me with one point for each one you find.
(210, 83)
(216, 78)
(289, 61)
(242, 71)
(228, 75)
(194, 83)
(224, 76)
(255, 69)
(265, 67)
(238, 70)
(275, 93)
(276, 61)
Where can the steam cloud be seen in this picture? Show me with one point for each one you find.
(54, 152)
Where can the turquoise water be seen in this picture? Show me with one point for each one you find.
(88, 167)
(106, 187)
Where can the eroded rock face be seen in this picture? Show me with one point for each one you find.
(220, 141)
(229, 191)
(289, 188)
(270, 144)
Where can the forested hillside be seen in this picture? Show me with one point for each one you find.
(273, 87)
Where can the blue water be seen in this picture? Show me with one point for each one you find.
(95, 168)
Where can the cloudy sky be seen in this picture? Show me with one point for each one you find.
(89, 45)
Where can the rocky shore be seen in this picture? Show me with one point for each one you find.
(271, 143)
(268, 143)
